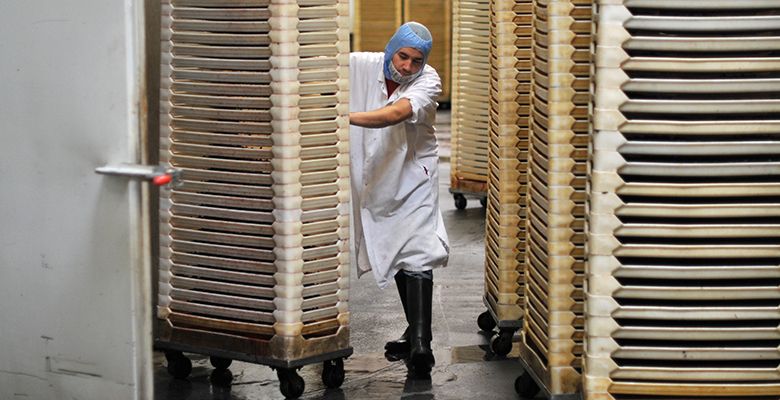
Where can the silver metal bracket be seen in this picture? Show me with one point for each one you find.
(157, 175)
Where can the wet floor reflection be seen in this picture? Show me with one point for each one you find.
(460, 371)
(480, 353)
(178, 389)
(418, 389)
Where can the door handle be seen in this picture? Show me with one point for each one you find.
(157, 175)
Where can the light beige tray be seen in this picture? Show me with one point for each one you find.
(709, 24)
(700, 4)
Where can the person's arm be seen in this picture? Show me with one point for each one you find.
(383, 117)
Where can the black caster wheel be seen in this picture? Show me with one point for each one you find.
(220, 363)
(486, 322)
(333, 373)
(290, 383)
(221, 377)
(460, 201)
(483, 201)
(526, 387)
(179, 366)
(502, 343)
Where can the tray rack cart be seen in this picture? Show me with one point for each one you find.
(683, 294)
(469, 126)
(254, 243)
(553, 327)
(510, 77)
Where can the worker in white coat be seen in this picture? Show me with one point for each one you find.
(398, 228)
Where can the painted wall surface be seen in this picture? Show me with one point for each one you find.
(74, 283)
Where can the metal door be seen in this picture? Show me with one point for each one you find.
(75, 315)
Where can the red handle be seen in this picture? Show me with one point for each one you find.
(161, 180)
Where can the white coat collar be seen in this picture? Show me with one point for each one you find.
(381, 80)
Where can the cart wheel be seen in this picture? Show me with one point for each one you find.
(483, 201)
(502, 343)
(290, 383)
(460, 201)
(486, 322)
(526, 387)
(179, 366)
(220, 363)
(333, 373)
(221, 377)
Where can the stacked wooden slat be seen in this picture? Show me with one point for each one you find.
(436, 15)
(558, 157)
(509, 87)
(254, 243)
(684, 288)
(471, 69)
(374, 23)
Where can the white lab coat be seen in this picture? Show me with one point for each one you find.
(396, 219)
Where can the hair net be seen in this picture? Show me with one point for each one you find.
(410, 34)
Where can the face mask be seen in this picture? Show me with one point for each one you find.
(399, 78)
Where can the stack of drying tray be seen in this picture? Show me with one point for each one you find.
(510, 76)
(683, 298)
(254, 243)
(471, 75)
(553, 327)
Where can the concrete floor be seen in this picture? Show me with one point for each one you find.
(465, 369)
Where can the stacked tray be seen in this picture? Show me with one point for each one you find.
(509, 86)
(558, 157)
(684, 295)
(436, 15)
(471, 76)
(374, 23)
(254, 243)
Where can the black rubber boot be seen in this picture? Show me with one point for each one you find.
(419, 292)
(399, 349)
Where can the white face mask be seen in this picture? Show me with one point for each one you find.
(399, 78)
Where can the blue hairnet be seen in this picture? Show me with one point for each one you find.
(410, 34)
